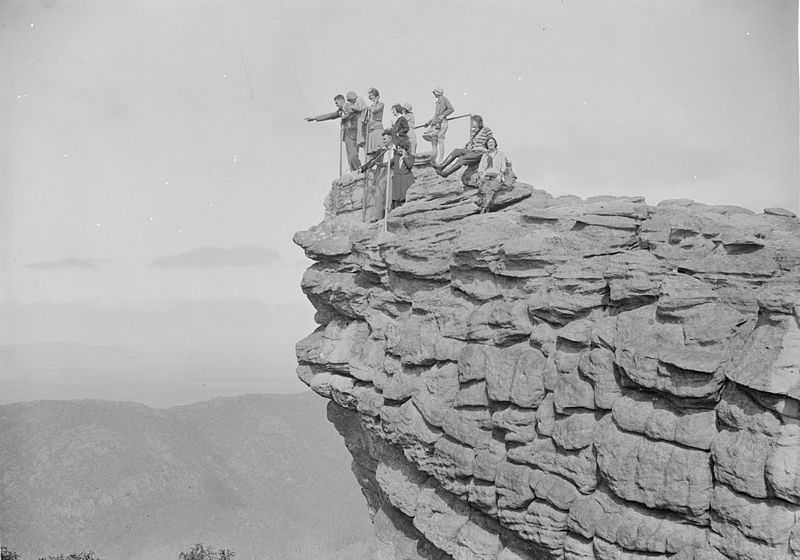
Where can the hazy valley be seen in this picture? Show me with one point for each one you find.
(264, 475)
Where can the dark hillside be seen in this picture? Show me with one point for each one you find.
(264, 475)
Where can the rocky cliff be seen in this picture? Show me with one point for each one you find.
(562, 378)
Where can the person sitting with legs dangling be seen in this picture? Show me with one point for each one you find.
(471, 153)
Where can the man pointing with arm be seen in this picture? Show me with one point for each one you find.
(350, 117)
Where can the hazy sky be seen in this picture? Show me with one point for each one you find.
(156, 148)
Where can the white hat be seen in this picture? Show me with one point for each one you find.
(407, 106)
(438, 89)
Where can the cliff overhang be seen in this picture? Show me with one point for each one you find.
(562, 378)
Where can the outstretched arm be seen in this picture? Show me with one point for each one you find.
(325, 117)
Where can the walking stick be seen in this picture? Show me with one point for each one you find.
(450, 119)
(388, 194)
(341, 141)
(366, 171)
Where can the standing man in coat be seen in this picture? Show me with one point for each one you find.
(375, 195)
(359, 106)
(350, 119)
(442, 109)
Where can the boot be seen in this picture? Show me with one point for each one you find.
(447, 172)
(446, 161)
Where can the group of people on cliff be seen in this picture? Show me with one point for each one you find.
(362, 130)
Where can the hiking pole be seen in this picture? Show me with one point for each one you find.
(364, 202)
(341, 140)
(450, 119)
(388, 193)
(366, 171)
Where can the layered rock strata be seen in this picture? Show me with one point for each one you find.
(562, 378)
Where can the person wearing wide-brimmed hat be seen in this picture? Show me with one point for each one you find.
(438, 124)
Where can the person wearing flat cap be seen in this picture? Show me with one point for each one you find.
(361, 107)
(438, 124)
(350, 115)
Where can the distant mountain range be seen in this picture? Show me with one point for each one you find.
(159, 352)
(264, 475)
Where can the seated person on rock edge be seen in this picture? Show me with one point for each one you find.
(491, 174)
(402, 175)
(471, 153)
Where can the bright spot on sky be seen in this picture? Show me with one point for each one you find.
(32, 25)
(166, 183)
(585, 102)
(224, 75)
(66, 155)
(151, 218)
(519, 78)
(180, 230)
(235, 158)
(748, 33)
(210, 204)
(683, 112)
(98, 224)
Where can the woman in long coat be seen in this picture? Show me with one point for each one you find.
(402, 176)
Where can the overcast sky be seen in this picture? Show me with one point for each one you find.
(156, 148)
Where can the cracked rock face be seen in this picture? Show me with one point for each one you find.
(562, 378)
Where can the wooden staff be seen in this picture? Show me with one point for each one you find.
(366, 158)
(388, 193)
(450, 119)
(341, 141)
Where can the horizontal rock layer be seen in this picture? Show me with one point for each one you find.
(562, 378)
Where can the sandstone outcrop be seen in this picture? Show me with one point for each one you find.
(562, 378)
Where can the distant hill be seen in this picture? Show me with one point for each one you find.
(160, 352)
(264, 475)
